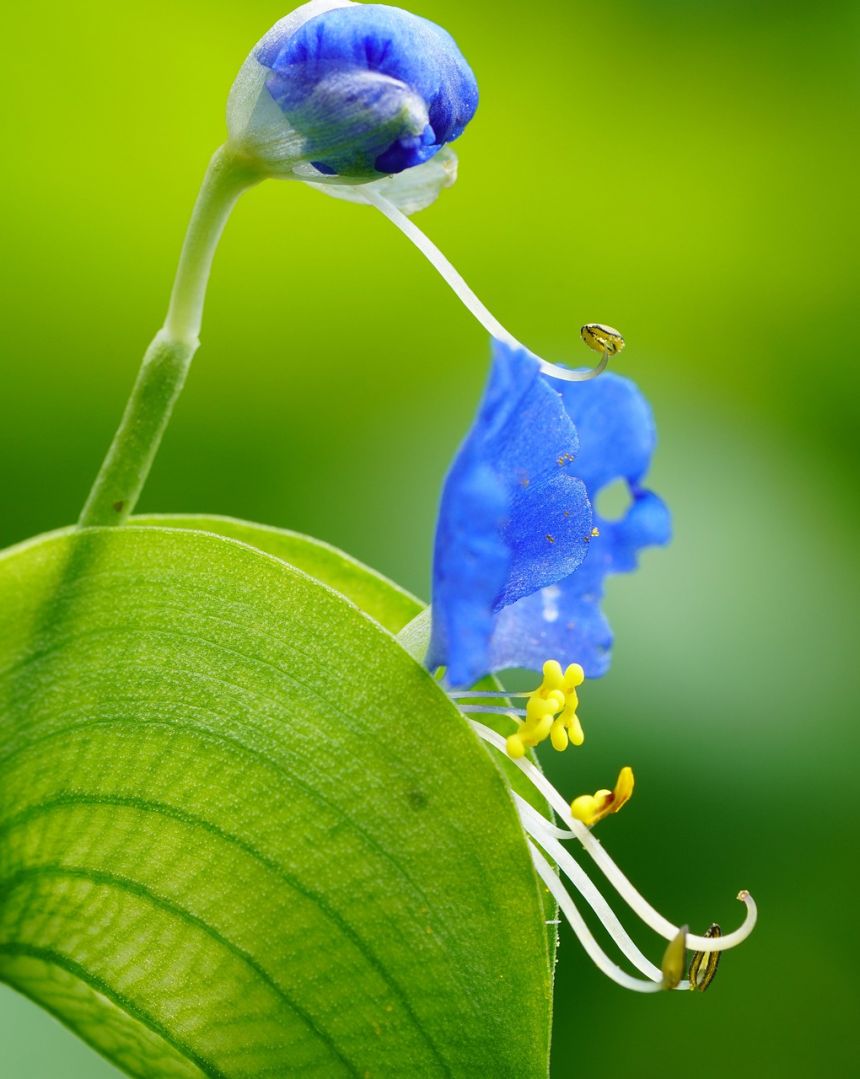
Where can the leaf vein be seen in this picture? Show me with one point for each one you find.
(139, 890)
(193, 820)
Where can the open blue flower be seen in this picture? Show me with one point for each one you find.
(514, 517)
(352, 91)
(617, 440)
(499, 601)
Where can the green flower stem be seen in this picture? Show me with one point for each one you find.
(166, 362)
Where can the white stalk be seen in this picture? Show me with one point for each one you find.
(583, 934)
(534, 825)
(486, 709)
(637, 903)
(480, 694)
(468, 298)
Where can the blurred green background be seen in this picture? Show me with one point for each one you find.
(683, 171)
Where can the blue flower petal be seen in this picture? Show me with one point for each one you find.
(616, 429)
(320, 80)
(647, 523)
(472, 565)
(617, 441)
(518, 576)
(565, 621)
(513, 517)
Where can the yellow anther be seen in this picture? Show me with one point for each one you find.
(574, 676)
(674, 959)
(623, 787)
(538, 707)
(553, 676)
(577, 734)
(591, 808)
(558, 736)
(571, 704)
(515, 747)
(542, 728)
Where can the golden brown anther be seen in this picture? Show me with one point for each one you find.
(703, 965)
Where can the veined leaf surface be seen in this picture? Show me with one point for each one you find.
(242, 832)
(376, 595)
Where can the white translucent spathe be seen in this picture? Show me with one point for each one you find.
(408, 191)
(256, 124)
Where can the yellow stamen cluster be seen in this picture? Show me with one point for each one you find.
(590, 808)
(551, 711)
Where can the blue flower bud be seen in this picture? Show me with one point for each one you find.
(347, 93)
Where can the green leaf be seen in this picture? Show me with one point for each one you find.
(390, 605)
(383, 600)
(242, 832)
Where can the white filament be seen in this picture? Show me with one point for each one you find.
(637, 903)
(480, 694)
(486, 709)
(458, 283)
(583, 934)
(534, 825)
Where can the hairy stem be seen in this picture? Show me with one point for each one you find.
(166, 361)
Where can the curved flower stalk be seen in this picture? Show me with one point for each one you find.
(361, 101)
(603, 339)
(339, 95)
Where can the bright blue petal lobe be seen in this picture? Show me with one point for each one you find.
(616, 429)
(514, 518)
(347, 78)
(470, 567)
(564, 621)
